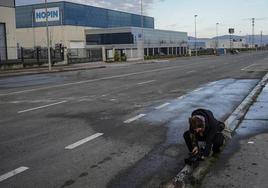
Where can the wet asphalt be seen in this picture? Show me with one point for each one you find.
(142, 153)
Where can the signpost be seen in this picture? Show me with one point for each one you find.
(231, 31)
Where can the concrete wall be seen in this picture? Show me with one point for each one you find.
(7, 16)
(30, 37)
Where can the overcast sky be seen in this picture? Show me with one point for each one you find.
(179, 14)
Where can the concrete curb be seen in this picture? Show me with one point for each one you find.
(59, 69)
(189, 176)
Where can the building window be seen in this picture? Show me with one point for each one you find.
(109, 38)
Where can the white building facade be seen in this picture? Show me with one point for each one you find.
(8, 41)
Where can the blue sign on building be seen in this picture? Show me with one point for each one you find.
(53, 14)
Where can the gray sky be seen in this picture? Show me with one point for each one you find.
(132, 6)
(178, 15)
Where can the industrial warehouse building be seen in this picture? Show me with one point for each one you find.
(67, 23)
(129, 40)
(8, 43)
(86, 31)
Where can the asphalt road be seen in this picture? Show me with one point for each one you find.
(105, 127)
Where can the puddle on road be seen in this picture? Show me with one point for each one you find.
(221, 97)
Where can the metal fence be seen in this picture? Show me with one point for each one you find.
(30, 56)
(83, 55)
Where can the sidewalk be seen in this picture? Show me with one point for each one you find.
(57, 68)
(244, 161)
(72, 67)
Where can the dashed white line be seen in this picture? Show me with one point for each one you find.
(197, 89)
(247, 67)
(147, 82)
(95, 80)
(134, 118)
(162, 106)
(13, 173)
(45, 106)
(80, 142)
(193, 71)
(181, 97)
(212, 83)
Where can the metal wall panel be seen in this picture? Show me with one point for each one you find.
(7, 3)
(83, 15)
(3, 47)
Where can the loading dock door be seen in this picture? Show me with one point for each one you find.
(3, 48)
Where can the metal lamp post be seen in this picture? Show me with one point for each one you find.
(195, 34)
(48, 40)
(142, 38)
(217, 36)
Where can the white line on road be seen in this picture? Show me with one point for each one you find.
(45, 106)
(193, 71)
(162, 106)
(181, 97)
(80, 142)
(247, 67)
(196, 90)
(13, 173)
(147, 82)
(134, 118)
(94, 80)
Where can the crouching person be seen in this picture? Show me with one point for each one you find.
(204, 127)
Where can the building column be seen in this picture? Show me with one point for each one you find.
(131, 53)
(103, 54)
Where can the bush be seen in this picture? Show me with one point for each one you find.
(117, 56)
(123, 57)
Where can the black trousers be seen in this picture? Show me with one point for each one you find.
(190, 140)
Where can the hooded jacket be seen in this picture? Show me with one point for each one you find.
(212, 127)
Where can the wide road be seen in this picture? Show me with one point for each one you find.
(115, 127)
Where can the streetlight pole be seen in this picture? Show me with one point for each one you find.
(48, 40)
(217, 36)
(195, 34)
(142, 37)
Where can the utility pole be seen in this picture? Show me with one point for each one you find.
(195, 34)
(48, 40)
(252, 38)
(261, 41)
(142, 37)
(217, 36)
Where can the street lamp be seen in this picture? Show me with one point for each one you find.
(217, 36)
(48, 40)
(195, 34)
(142, 38)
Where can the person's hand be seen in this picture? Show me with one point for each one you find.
(195, 150)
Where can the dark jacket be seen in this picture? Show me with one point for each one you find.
(212, 126)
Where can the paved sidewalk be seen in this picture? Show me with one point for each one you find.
(244, 161)
(73, 67)
(57, 68)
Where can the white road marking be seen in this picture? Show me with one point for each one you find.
(193, 71)
(45, 106)
(162, 106)
(95, 80)
(13, 173)
(247, 67)
(135, 118)
(181, 97)
(147, 82)
(212, 83)
(250, 142)
(197, 89)
(80, 142)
